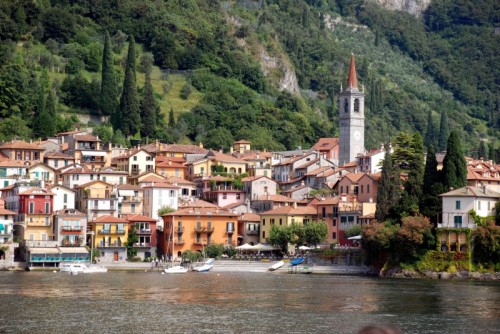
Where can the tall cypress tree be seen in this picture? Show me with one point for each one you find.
(148, 108)
(482, 151)
(430, 203)
(454, 164)
(130, 117)
(430, 134)
(444, 132)
(416, 168)
(109, 86)
(388, 189)
(171, 118)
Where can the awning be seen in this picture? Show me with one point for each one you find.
(356, 237)
(126, 192)
(94, 153)
(74, 250)
(44, 250)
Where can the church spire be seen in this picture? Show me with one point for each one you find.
(352, 80)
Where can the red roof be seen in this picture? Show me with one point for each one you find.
(138, 218)
(326, 144)
(108, 219)
(352, 80)
(250, 217)
(19, 144)
(37, 191)
(290, 210)
(86, 138)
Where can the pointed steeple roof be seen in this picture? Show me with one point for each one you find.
(352, 80)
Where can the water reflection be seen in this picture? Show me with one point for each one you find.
(119, 302)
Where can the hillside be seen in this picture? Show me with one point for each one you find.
(266, 71)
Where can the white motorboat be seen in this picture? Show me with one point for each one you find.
(276, 266)
(205, 266)
(176, 270)
(93, 269)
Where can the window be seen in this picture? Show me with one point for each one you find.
(457, 221)
(238, 196)
(346, 106)
(132, 208)
(334, 235)
(281, 221)
(356, 105)
(47, 221)
(457, 205)
(362, 188)
(489, 205)
(341, 189)
(47, 207)
(367, 188)
(264, 222)
(172, 193)
(135, 158)
(230, 227)
(32, 207)
(65, 198)
(478, 205)
(263, 234)
(323, 212)
(224, 196)
(271, 221)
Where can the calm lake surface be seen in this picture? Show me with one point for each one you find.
(139, 302)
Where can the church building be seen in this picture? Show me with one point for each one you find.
(351, 118)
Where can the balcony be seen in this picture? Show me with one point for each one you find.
(143, 231)
(121, 232)
(111, 208)
(71, 243)
(230, 230)
(71, 229)
(201, 242)
(112, 244)
(179, 229)
(142, 244)
(179, 242)
(130, 199)
(203, 229)
(253, 232)
(104, 231)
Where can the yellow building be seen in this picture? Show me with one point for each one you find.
(195, 228)
(171, 167)
(213, 160)
(285, 216)
(96, 199)
(110, 237)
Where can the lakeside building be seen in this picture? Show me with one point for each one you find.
(135, 162)
(110, 237)
(27, 153)
(6, 225)
(70, 228)
(456, 214)
(130, 199)
(194, 228)
(146, 232)
(248, 229)
(96, 199)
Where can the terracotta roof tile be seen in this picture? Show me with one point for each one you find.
(20, 144)
(326, 144)
(108, 219)
(37, 191)
(138, 218)
(86, 138)
(250, 217)
(290, 210)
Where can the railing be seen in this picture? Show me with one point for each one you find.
(72, 229)
(129, 199)
(230, 230)
(72, 244)
(103, 209)
(41, 243)
(142, 244)
(104, 232)
(144, 231)
(201, 242)
(253, 232)
(203, 229)
(120, 232)
(179, 242)
(179, 229)
(107, 244)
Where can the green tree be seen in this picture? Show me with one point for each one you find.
(14, 127)
(444, 131)
(131, 240)
(280, 236)
(486, 244)
(130, 116)
(430, 203)
(353, 231)
(454, 164)
(148, 109)
(104, 132)
(315, 232)
(214, 250)
(164, 210)
(497, 210)
(430, 134)
(109, 84)
(482, 151)
(388, 192)
(414, 237)
(378, 240)
(219, 138)
(171, 118)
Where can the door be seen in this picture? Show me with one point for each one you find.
(115, 256)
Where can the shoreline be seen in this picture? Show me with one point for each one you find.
(228, 266)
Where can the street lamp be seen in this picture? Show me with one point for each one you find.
(91, 247)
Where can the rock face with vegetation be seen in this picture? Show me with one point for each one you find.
(251, 67)
(414, 7)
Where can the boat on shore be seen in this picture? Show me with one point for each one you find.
(296, 262)
(205, 266)
(75, 268)
(276, 266)
(94, 268)
(176, 270)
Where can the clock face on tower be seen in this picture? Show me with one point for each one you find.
(357, 135)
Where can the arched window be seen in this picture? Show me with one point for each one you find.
(356, 105)
(346, 105)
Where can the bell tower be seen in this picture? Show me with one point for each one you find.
(351, 118)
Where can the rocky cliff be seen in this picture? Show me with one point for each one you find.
(414, 7)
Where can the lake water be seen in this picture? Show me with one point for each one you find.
(139, 302)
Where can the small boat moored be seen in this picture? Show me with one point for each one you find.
(276, 266)
(206, 266)
(176, 270)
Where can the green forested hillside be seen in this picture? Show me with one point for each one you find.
(210, 73)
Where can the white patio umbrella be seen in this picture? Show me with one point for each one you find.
(356, 237)
(245, 247)
(264, 247)
(304, 248)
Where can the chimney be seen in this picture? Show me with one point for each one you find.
(295, 205)
(231, 150)
(484, 189)
(201, 144)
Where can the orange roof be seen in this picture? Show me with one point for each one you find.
(275, 198)
(250, 217)
(138, 218)
(86, 138)
(88, 184)
(22, 145)
(128, 187)
(202, 212)
(161, 158)
(108, 219)
(37, 191)
(326, 144)
(12, 163)
(162, 185)
(352, 80)
(170, 164)
(197, 203)
(290, 210)
(354, 177)
(253, 178)
(178, 180)
(58, 155)
(178, 148)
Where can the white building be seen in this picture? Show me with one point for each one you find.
(158, 195)
(457, 204)
(64, 198)
(6, 223)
